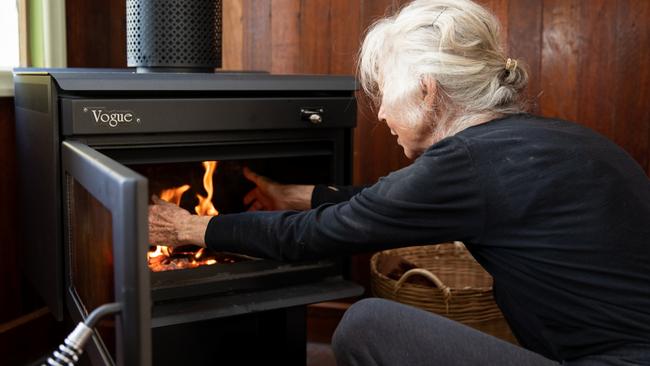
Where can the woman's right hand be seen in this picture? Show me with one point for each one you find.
(269, 195)
(170, 225)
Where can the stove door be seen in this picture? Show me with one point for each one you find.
(106, 244)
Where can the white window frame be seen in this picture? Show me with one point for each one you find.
(54, 41)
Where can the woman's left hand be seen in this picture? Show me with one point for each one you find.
(269, 195)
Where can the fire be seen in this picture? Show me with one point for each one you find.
(174, 195)
(164, 258)
(205, 206)
(160, 250)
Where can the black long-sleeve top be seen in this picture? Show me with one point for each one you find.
(557, 214)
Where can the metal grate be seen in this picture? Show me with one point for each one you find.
(173, 33)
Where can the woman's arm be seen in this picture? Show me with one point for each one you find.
(269, 195)
(323, 194)
(171, 225)
(436, 199)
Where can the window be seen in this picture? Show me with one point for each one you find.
(9, 34)
(10, 54)
(32, 33)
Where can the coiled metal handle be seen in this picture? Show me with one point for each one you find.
(72, 346)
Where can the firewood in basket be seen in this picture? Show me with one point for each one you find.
(394, 267)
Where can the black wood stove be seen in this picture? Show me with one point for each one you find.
(94, 145)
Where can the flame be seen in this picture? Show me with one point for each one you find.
(164, 258)
(174, 195)
(205, 206)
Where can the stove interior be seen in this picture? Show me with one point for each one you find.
(216, 187)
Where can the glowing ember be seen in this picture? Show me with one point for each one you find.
(160, 251)
(162, 258)
(188, 257)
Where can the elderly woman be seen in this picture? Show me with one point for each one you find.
(558, 215)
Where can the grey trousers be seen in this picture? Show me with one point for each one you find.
(380, 332)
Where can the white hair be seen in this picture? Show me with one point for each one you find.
(452, 42)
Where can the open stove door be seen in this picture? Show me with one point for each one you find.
(106, 245)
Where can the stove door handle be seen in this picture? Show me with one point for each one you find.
(313, 115)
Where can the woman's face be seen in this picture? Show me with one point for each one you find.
(413, 139)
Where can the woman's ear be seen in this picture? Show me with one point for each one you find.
(429, 91)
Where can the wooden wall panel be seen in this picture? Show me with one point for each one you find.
(500, 10)
(257, 35)
(374, 9)
(285, 36)
(631, 79)
(345, 36)
(597, 99)
(560, 57)
(96, 33)
(9, 268)
(524, 39)
(315, 37)
(232, 35)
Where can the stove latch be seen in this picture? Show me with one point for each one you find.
(312, 115)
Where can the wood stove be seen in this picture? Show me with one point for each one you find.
(94, 145)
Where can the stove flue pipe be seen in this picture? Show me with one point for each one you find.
(173, 35)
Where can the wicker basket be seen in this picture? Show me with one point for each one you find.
(462, 292)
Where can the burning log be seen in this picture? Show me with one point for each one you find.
(188, 257)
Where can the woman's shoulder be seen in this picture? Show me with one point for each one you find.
(517, 128)
(532, 142)
(518, 122)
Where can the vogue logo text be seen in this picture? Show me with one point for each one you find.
(111, 118)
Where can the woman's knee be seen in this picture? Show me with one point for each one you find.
(361, 323)
(362, 315)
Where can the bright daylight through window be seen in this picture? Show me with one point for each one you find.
(9, 54)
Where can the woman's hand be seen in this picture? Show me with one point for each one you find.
(270, 195)
(172, 226)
